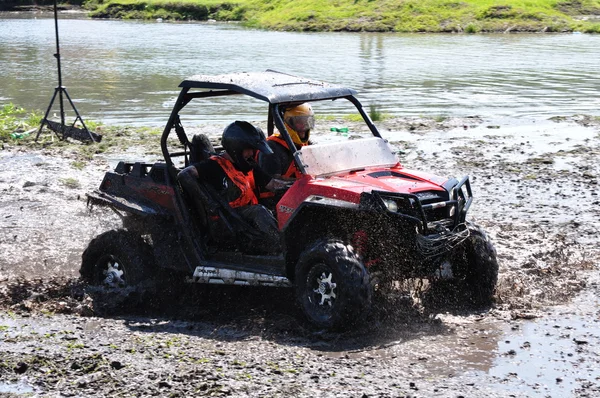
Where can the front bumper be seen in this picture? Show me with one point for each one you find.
(442, 209)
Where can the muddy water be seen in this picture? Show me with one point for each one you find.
(127, 72)
(555, 354)
(556, 151)
(16, 389)
(43, 215)
(496, 354)
(550, 356)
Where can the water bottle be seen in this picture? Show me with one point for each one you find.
(18, 136)
(342, 130)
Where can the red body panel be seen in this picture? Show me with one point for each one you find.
(349, 186)
(158, 193)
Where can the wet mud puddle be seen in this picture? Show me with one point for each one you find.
(557, 355)
(550, 353)
(20, 388)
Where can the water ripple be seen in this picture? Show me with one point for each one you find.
(127, 72)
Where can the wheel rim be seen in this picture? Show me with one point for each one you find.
(110, 272)
(321, 290)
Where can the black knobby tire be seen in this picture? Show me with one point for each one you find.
(332, 285)
(117, 259)
(475, 275)
(477, 266)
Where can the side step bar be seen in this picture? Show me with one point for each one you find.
(233, 277)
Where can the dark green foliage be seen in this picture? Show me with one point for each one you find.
(169, 11)
(10, 5)
(578, 7)
(498, 12)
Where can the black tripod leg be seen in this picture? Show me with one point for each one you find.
(78, 116)
(46, 115)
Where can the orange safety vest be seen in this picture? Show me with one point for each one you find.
(292, 171)
(245, 182)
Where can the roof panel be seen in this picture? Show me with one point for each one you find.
(270, 86)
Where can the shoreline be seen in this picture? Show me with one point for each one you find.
(496, 22)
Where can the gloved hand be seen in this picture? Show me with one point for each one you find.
(277, 184)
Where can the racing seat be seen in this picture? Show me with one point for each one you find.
(218, 222)
(200, 148)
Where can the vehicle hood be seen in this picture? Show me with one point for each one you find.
(396, 179)
(348, 187)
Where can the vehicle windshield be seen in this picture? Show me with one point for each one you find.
(339, 157)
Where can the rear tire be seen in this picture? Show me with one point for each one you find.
(117, 259)
(332, 285)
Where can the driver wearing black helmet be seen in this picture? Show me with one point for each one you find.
(235, 176)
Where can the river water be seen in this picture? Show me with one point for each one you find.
(127, 72)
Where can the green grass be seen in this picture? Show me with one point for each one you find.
(16, 123)
(79, 165)
(75, 346)
(422, 15)
(472, 16)
(115, 139)
(165, 9)
(70, 182)
(375, 113)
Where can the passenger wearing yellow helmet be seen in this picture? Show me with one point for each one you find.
(299, 121)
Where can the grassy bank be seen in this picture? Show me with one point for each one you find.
(470, 16)
(16, 123)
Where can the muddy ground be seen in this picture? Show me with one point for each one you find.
(536, 193)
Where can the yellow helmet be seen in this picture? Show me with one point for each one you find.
(299, 121)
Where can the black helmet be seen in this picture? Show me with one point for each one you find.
(241, 135)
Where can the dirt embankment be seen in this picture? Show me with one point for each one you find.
(39, 5)
(536, 193)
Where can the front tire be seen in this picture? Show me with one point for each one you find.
(475, 274)
(481, 274)
(332, 285)
(117, 259)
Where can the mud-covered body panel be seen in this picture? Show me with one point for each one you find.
(355, 207)
(350, 186)
(138, 188)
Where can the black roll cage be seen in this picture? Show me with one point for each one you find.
(278, 89)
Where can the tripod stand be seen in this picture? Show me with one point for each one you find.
(63, 131)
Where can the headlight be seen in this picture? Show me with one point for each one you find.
(391, 205)
(452, 211)
(429, 195)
